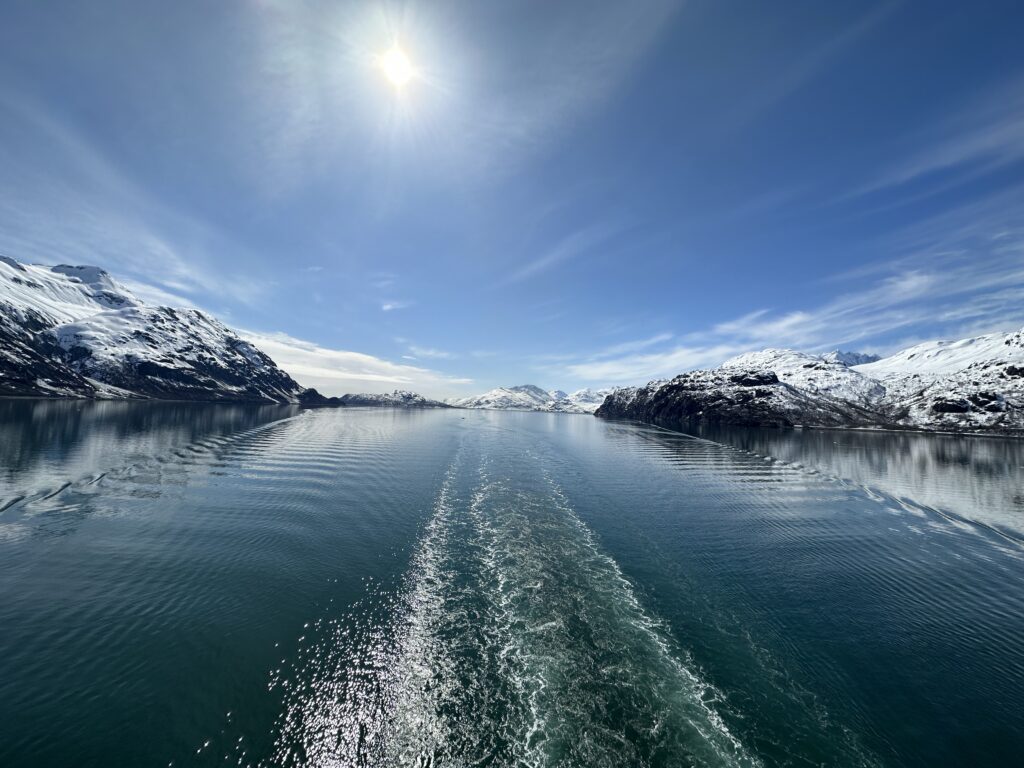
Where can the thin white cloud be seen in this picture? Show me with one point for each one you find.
(808, 64)
(638, 368)
(573, 246)
(959, 274)
(92, 213)
(152, 294)
(391, 306)
(337, 371)
(982, 135)
(383, 281)
(634, 346)
(430, 352)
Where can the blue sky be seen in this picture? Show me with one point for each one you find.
(569, 194)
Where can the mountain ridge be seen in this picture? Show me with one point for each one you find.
(967, 385)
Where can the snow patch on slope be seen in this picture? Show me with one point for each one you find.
(940, 358)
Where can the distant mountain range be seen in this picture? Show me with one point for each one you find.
(73, 331)
(527, 397)
(974, 384)
(397, 399)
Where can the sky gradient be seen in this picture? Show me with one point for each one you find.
(568, 194)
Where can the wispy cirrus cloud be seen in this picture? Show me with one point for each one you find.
(808, 64)
(573, 246)
(634, 346)
(93, 213)
(430, 352)
(959, 274)
(638, 368)
(982, 135)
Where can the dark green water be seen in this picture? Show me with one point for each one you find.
(216, 585)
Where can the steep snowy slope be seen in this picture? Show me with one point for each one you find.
(61, 294)
(937, 358)
(74, 331)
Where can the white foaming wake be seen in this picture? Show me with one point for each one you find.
(516, 641)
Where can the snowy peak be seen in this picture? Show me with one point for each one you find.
(849, 358)
(60, 294)
(588, 400)
(531, 391)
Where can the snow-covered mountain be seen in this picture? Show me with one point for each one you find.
(397, 399)
(75, 331)
(527, 397)
(580, 401)
(974, 384)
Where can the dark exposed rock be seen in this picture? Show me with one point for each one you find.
(32, 363)
(951, 406)
(755, 379)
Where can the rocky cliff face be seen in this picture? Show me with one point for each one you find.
(970, 385)
(70, 331)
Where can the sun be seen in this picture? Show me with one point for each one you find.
(397, 67)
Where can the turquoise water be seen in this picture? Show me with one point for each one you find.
(219, 585)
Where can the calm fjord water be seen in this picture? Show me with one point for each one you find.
(219, 585)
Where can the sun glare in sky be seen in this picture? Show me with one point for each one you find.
(397, 67)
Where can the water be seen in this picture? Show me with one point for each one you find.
(229, 585)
